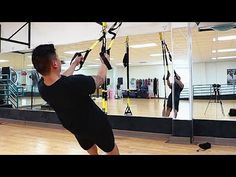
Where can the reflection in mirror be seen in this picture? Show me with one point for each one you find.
(214, 64)
(146, 71)
(180, 74)
(16, 81)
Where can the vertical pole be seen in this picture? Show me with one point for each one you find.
(127, 50)
(0, 37)
(189, 45)
(173, 81)
(29, 34)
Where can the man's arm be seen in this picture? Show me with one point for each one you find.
(71, 68)
(179, 82)
(102, 73)
(101, 76)
(169, 84)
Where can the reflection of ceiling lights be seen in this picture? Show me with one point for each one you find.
(225, 38)
(156, 54)
(73, 51)
(99, 59)
(143, 45)
(92, 65)
(223, 50)
(227, 57)
(2, 61)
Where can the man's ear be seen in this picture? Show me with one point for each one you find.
(55, 64)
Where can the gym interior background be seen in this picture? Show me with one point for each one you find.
(203, 57)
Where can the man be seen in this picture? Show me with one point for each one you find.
(68, 95)
(178, 87)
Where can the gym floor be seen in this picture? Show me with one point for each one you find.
(28, 138)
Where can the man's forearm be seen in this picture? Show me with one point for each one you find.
(168, 83)
(102, 72)
(101, 76)
(70, 70)
(180, 83)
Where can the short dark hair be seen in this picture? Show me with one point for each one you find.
(42, 56)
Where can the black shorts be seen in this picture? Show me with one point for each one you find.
(100, 133)
(169, 103)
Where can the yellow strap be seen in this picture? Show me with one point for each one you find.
(127, 39)
(128, 102)
(104, 24)
(111, 43)
(94, 44)
(160, 34)
(103, 103)
(105, 106)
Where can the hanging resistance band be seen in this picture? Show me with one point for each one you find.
(115, 26)
(126, 64)
(166, 68)
(102, 54)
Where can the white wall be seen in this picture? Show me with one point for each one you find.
(138, 72)
(210, 73)
(203, 73)
(142, 72)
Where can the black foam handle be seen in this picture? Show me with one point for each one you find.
(105, 61)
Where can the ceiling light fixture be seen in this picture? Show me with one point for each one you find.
(156, 54)
(2, 61)
(143, 45)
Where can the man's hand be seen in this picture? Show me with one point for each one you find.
(77, 60)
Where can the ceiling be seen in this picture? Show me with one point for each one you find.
(202, 47)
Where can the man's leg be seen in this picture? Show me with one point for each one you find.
(93, 150)
(87, 145)
(176, 112)
(115, 151)
(168, 111)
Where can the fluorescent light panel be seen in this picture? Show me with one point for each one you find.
(73, 51)
(99, 59)
(92, 65)
(224, 50)
(225, 38)
(226, 57)
(156, 54)
(2, 61)
(143, 45)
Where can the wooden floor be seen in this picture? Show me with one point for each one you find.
(153, 108)
(34, 138)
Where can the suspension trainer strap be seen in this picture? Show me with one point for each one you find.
(165, 68)
(126, 64)
(114, 27)
(103, 58)
(104, 25)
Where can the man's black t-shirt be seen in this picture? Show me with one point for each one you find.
(69, 97)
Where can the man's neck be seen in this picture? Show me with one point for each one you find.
(51, 79)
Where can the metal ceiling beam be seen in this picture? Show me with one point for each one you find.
(19, 42)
